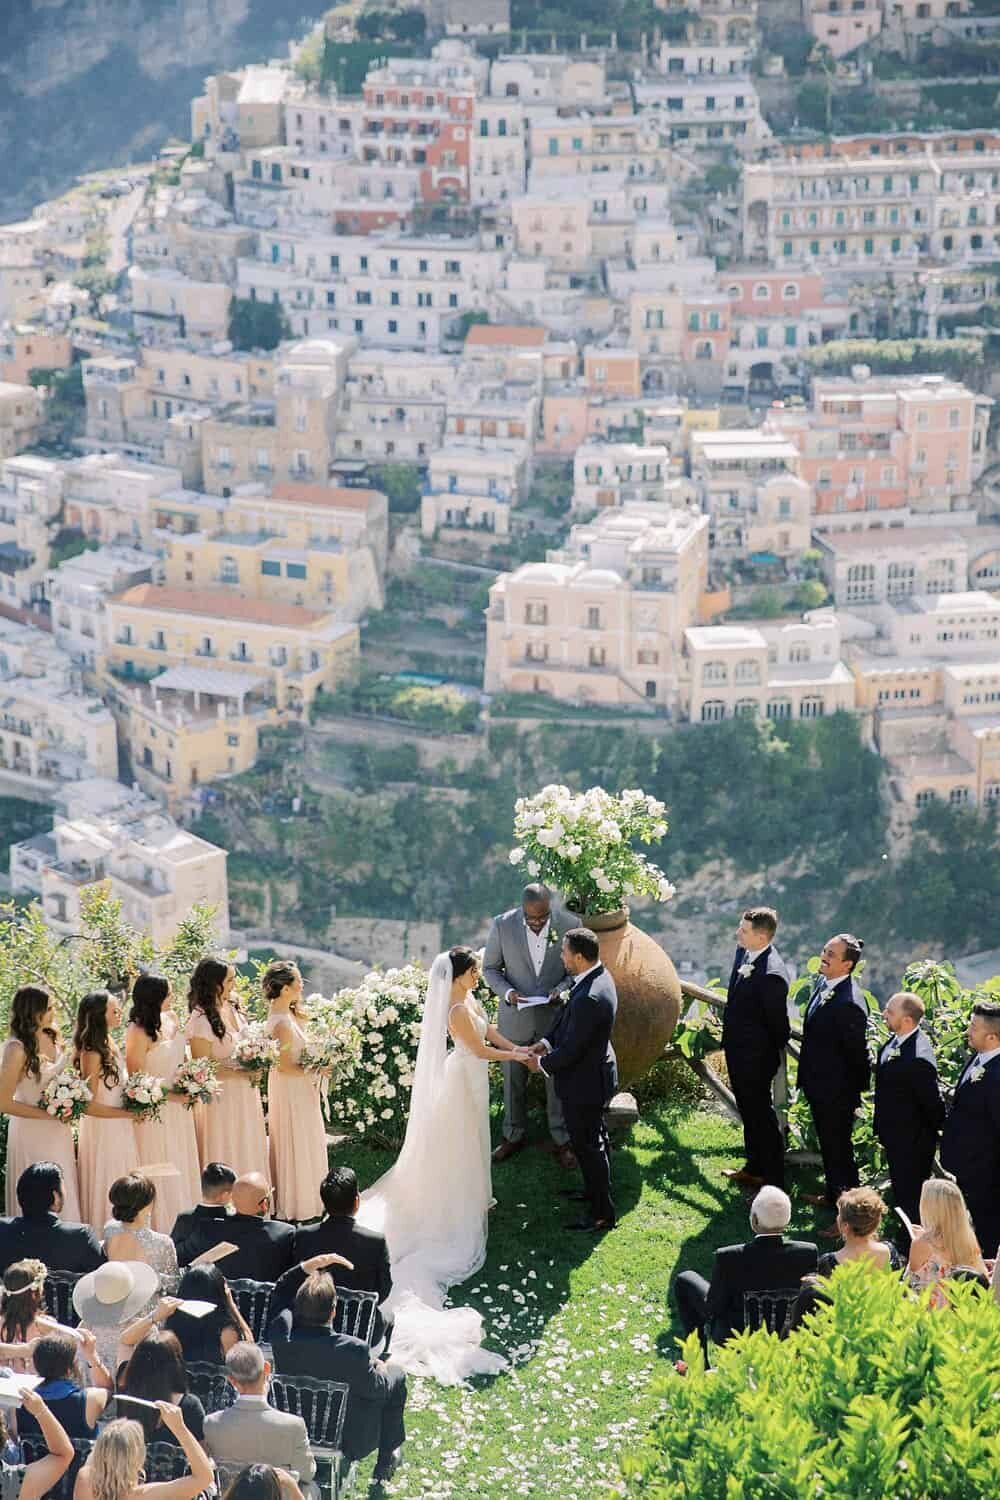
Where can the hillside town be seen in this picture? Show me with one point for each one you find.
(704, 408)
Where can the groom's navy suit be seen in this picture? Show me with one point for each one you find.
(583, 1066)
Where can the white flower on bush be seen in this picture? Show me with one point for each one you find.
(386, 1008)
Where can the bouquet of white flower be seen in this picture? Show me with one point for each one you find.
(255, 1050)
(144, 1096)
(196, 1081)
(581, 843)
(376, 1076)
(66, 1097)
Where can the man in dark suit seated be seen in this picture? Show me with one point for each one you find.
(38, 1232)
(264, 1247)
(767, 1263)
(338, 1233)
(217, 1182)
(304, 1343)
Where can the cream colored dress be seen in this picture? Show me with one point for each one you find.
(29, 1141)
(107, 1150)
(171, 1139)
(232, 1127)
(297, 1133)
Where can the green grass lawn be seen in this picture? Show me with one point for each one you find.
(586, 1323)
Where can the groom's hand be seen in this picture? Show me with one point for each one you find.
(539, 1049)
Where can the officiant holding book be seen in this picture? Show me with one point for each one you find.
(523, 966)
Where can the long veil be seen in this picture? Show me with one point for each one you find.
(430, 1205)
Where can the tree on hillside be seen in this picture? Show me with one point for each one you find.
(257, 325)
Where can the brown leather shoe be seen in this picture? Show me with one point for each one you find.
(566, 1159)
(507, 1149)
(743, 1177)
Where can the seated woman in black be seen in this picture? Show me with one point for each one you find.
(209, 1338)
(75, 1407)
(156, 1373)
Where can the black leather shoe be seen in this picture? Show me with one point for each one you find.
(386, 1467)
(591, 1226)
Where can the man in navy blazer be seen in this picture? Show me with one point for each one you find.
(909, 1110)
(834, 1069)
(755, 1030)
(578, 1055)
(970, 1143)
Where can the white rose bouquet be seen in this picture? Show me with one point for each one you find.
(375, 1080)
(255, 1050)
(66, 1097)
(144, 1096)
(196, 1081)
(581, 843)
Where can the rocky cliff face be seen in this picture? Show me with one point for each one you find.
(92, 83)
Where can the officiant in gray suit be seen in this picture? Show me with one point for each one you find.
(523, 959)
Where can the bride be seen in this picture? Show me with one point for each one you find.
(432, 1205)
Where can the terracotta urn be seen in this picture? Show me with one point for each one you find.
(649, 992)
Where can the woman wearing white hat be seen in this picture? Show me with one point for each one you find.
(115, 1296)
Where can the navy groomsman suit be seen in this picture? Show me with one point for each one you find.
(909, 1113)
(834, 1072)
(755, 1029)
(970, 1147)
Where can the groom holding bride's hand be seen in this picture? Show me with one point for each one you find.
(578, 1057)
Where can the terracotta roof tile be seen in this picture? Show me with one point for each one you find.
(217, 604)
(331, 496)
(505, 335)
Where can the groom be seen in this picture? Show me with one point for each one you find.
(578, 1056)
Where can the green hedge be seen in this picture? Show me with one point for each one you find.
(877, 1395)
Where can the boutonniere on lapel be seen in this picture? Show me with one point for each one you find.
(745, 969)
(892, 1056)
(975, 1074)
(553, 938)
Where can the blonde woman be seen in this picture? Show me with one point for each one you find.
(114, 1470)
(944, 1238)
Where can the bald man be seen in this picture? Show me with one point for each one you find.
(265, 1248)
(909, 1110)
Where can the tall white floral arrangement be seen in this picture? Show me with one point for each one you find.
(581, 843)
(373, 1087)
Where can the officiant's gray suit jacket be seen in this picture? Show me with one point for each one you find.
(507, 966)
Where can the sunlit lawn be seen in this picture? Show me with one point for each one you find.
(585, 1323)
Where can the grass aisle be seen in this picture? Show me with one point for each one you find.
(586, 1322)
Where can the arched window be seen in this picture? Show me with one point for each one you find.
(799, 653)
(779, 708)
(746, 708)
(811, 708)
(229, 571)
(712, 711)
(714, 672)
(747, 671)
(790, 291)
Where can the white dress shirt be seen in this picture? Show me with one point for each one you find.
(537, 942)
(984, 1057)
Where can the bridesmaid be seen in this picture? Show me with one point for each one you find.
(31, 1059)
(233, 1125)
(107, 1134)
(296, 1129)
(154, 1043)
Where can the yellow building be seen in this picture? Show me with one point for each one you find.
(288, 654)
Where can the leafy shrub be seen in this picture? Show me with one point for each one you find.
(877, 1395)
(374, 1092)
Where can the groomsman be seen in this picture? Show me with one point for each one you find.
(970, 1143)
(909, 1110)
(754, 1032)
(834, 1070)
(523, 959)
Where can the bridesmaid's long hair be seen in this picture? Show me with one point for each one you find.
(91, 1035)
(205, 990)
(274, 979)
(149, 995)
(22, 1299)
(28, 1007)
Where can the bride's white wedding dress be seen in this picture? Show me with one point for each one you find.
(432, 1205)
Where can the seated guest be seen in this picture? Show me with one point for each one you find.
(119, 1301)
(337, 1232)
(75, 1406)
(767, 1263)
(264, 1246)
(23, 1319)
(114, 1470)
(209, 1338)
(156, 1373)
(813, 1294)
(217, 1182)
(305, 1343)
(944, 1240)
(262, 1482)
(251, 1431)
(40, 1477)
(859, 1218)
(127, 1235)
(39, 1232)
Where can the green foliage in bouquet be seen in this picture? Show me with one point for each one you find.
(877, 1395)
